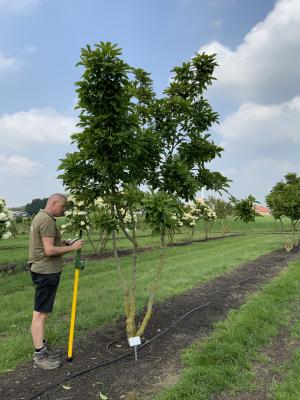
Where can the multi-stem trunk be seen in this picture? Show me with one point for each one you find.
(130, 317)
(99, 247)
(130, 323)
(91, 242)
(122, 280)
(154, 286)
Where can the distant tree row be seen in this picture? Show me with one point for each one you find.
(35, 206)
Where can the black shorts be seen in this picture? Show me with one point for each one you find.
(46, 286)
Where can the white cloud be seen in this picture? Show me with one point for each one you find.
(260, 81)
(8, 63)
(266, 66)
(36, 126)
(18, 6)
(267, 167)
(263, 125)
(15, 166)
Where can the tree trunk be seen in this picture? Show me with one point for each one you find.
(91, 242)
(153, 288)
(122, 281)
(130, 323)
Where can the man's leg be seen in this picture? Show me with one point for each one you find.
(46, 286)
(38, 328)
(41, 357)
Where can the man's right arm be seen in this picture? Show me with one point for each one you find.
(51, 250)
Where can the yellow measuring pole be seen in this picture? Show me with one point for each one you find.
(73, 315)
(79, 264)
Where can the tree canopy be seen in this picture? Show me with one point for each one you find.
(129, 137)
(284, 198)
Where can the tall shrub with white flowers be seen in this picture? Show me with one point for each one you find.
(195, 211)
(224, 211)
(6, 219)
(190, 218)
(207, 213)
(93, 219)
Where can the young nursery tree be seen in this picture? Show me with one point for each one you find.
(223, 210)
(284, 201)
(128, 138)
(244, 209)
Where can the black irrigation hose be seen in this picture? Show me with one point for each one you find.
(54, 385)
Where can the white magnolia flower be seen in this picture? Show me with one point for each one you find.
(82, 222)
(7, 224)
(127, 218)
(7, 235)
(81, 212)
(3, 216)
(99, 202)
(71, 199)
(200, 200)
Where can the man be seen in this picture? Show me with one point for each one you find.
(45, 259)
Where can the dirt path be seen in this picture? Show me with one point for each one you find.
(160, 362)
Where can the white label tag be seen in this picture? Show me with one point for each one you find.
(134, 341)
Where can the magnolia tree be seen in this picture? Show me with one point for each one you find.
(6, 219)
(128, 138)
(284, 201)
(244, 209)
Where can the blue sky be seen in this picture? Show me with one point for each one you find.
(257, 94)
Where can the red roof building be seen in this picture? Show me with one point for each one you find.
(262, 210)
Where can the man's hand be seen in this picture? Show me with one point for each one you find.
(51, 250)
(77, 245)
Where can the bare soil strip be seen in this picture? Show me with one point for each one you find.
(160, 362)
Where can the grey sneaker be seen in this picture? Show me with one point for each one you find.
(43, 360)
(52, 352)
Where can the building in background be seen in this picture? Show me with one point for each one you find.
(262, 210)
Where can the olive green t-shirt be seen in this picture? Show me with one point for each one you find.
(44, 225)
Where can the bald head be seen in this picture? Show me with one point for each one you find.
(56, 204)
(55, 197)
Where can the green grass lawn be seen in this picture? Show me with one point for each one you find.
(99, 300)
(16, 250)
(224, 361)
